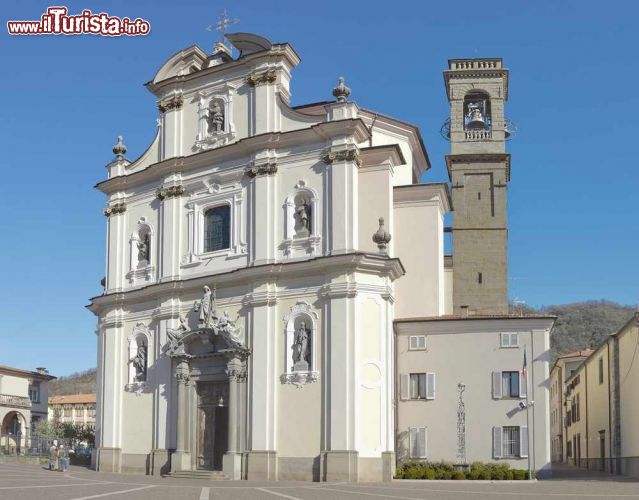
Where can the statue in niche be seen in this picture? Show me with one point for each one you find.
(176, 334)
(204, 308)
(303, 213)
(302, 348)
(144, 249)
(139, 363)
(215, 118)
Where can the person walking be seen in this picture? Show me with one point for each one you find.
(53, 457)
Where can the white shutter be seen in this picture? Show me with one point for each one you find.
(424, 441)
(497, 385)
(430, 386)
(523, 385)
(497, 443)
(523, 441)
(404, 382)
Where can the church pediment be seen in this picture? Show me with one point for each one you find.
(206, 342)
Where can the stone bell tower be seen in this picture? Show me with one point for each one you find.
(479, 171)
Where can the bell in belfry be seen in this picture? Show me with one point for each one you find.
(475, 118)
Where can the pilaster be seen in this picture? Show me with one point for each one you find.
(115, 213)
(262, 395)
(263, 218)
(342, 162)
(339, 364)
(171, 125)
(170, 198)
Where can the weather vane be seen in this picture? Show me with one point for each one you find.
(222, 25)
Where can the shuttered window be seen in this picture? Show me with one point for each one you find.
(417, 442)
(417, 386)
(510, 442)
(416, 342)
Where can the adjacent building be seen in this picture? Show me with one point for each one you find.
(277, 300)
(23, 402)
(77, 409)
(561, 371)
(600, 405)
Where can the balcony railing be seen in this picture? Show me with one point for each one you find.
(15, 401)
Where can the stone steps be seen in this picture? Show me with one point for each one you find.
(206, 475)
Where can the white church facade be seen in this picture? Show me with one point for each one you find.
(259, 259)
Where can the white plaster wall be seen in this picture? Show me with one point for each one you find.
(629, 374)
(15, 386)
(468, 352)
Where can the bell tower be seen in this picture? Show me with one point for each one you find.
(479, 172)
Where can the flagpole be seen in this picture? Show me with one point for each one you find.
(527, 415)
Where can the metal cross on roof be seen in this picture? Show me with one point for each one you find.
(223, 24)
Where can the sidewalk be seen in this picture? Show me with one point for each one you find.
(563, 471)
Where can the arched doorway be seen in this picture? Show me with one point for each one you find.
(13, 432)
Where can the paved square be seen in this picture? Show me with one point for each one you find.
(27, 482)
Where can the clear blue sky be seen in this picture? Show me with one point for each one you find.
(573, 200)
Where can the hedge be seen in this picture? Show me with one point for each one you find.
(446, 470)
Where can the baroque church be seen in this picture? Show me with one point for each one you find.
(276, 279)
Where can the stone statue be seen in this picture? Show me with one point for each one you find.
(144, 254)
(176, 334)
(302, 348)
(204, 307)
(216, 118)
(303, 212)
(139, 363)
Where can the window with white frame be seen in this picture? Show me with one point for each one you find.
(510, 442)
(509, 339)
(217, 228)
(417, 386)
(508, 384)
(417, 440)
(416, 342)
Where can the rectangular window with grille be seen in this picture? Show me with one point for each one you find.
(217, 228)
(601, 371)
(511, 441)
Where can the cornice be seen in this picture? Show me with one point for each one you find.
(353, 262)
(247, 146)
(421, 194)
(390, 155)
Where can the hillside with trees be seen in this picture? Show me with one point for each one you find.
(76, 383)
(585, 324)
